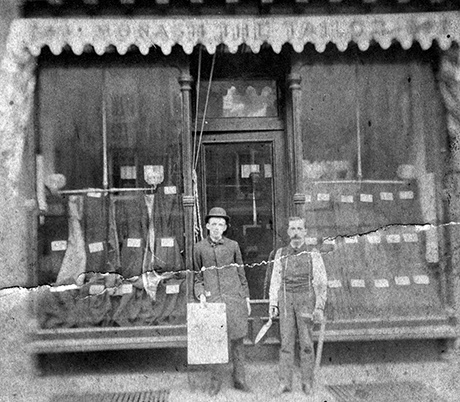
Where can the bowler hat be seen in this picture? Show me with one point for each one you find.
(217, 212)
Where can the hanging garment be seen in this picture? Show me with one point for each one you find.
(74, 263)
(96, 231)
(113, 245)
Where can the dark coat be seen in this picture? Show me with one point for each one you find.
(226, 284)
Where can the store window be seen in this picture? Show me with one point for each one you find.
(112, 225)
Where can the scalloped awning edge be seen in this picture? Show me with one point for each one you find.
(122, 33)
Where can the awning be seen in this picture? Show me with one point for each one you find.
(144, 33)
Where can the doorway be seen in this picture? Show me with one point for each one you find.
(242, 173)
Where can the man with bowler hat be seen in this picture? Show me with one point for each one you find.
(220, 278)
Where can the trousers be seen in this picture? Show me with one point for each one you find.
(295, 310)
(237, 357)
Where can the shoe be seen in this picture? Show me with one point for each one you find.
(283, 389)
(214, 388)
(241, 386)
(306, 389)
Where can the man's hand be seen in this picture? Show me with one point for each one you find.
(273, 311)
(248, 303)
(203, 300)
(318, 315)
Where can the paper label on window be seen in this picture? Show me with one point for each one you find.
(381, 283)
(406, 195)
(402, 280)
(246, 170)
(96, 247)
(59, 245)
(135, 243)
(311, 240)
(267, 170)
(357, 283)
(351, 240)
(394, 238)
(170, 190)
(167, 242)
(366, 197)
(410, 237)
(335, 283)
(323, 197)
(94, 194)
(308, 198)
(128, 172)
(421, 279)
(172, 288)
(63, 288)
(386, 196)
(328, 240)
(373, 239)
(126, 288)
(347, 199)
(96, 289)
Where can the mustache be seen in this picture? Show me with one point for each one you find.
(296, 236)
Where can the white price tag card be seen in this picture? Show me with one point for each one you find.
(373, 239)
(402, 280)
(128, 172)
(351, 239)
(126, 288)
(421, 279)
(394, 238)
(381, 283)
(308, 198)
(59, 245)
(323, 197)
(357, 283)
(406, 195)
(334, 283)
(386, 196)
(96, 247)
(328, 240)
(311, 241)
(96, 289)
(170, 190)
(167, 242)
(366, 197)
(267, 170)
(95, 194)
(172, 288)
(134, 243)
(346, 198)
(410, 237)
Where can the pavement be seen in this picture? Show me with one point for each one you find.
(26, 377)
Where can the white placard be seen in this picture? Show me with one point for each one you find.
(374, 239)
(170, 190)
(59, 245)
(402, 280)
(410, 237)
(386, 196)
(334, 283)
(128, 172)
(172, 288)
(207, 339)
(421, 279)
(94, 194)
(347, 199)
(328, 240)
(311, 241)
(246, 170)
(135, 243)
(267, 170)
(126, 288)
(381, 283)
(406, 195)
(357, 283)
(366, 197)
(96, 247)
(308, 198)
(96, 289)
(167, 242)
(323, 197)
(351, 240)
(393, 238)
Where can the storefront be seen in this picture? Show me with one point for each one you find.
(142, 125)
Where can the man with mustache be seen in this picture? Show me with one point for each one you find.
(298, 290)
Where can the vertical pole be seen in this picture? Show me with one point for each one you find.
(188, 200)
(295, 142)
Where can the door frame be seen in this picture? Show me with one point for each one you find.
(280, 195)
